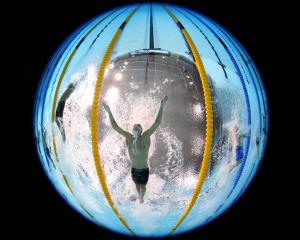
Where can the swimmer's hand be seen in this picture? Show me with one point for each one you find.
(74, 84)
(106, 107)
(164, 101)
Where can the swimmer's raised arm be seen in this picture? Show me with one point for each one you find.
(114, 124)
(158, 119)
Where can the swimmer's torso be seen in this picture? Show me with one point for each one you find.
(138, 151)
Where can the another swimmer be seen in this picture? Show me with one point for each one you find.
(236, 143)
(235, 156)
(60, 109)
(44, 139)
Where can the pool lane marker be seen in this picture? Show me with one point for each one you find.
(102, 30)
(62, 76)
(95, 117)
(55, 101)
(223, 66)
(228, 49)
(71, 190)
(151, 32)
(240, 50)
(208, 115)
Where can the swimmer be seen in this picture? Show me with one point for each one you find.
(235, 156)
(257, 144)
(47, 148)
(236, 142)
(138, 144)
(60, 109)
(44, 138)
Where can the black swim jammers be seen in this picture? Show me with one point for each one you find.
(140, 176)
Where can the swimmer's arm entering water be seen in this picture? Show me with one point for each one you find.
(114, 124)
(158, 119)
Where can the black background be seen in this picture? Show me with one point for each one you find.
(33, 31)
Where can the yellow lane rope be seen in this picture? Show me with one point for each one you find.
(68, 63)
(95, 117)
(62, 76)
(209, 120)
(55, 102)
(71, 190)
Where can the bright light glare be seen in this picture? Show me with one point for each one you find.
(198, 111)
(118, 76)
(106, 72)
(111, 95)
(111, 65)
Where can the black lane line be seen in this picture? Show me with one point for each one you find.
(239, 73)
(102, 30)
(59, 59)
(209, 42)
(78, 35)
(80, 42)
(248, 62)
(67, 43)
(151, 40)
(146, 72)
(218, 209)
(181, 28)
(66, 54)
